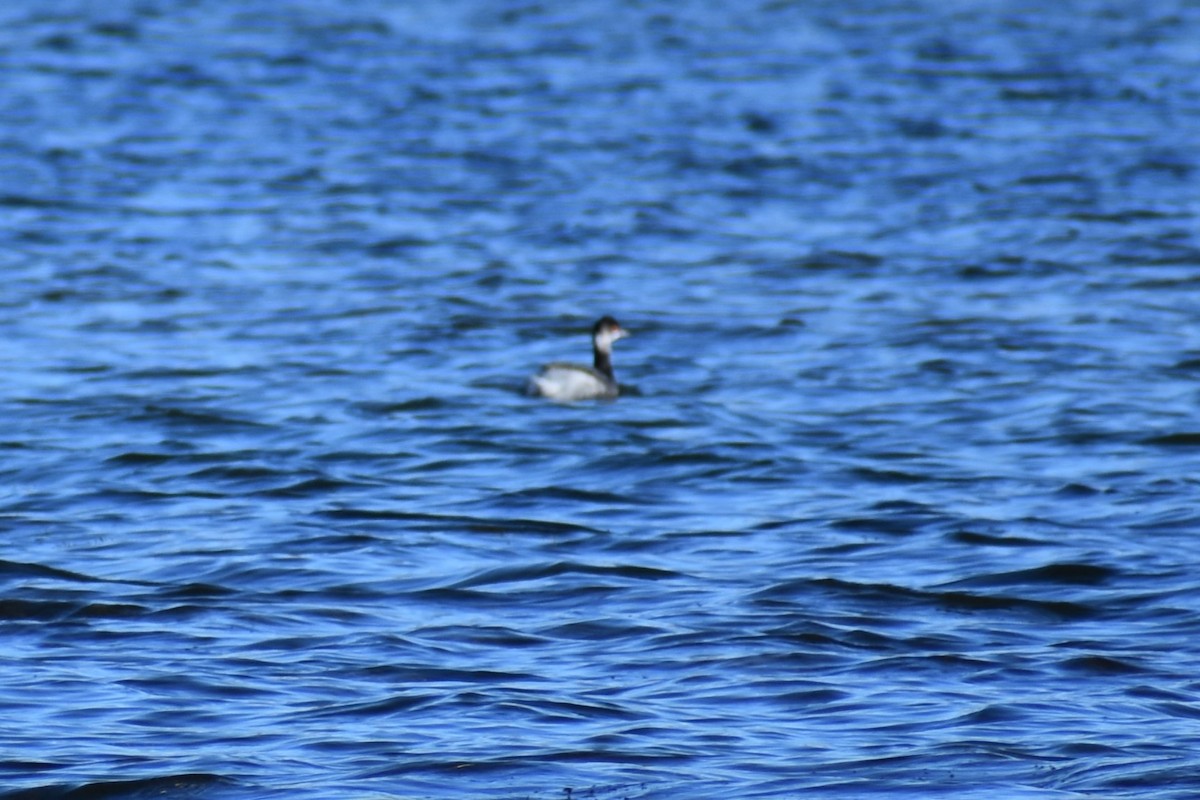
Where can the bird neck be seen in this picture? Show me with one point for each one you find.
(602, 360)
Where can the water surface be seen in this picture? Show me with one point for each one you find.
(900, 501)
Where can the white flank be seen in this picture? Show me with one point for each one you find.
(568, 383)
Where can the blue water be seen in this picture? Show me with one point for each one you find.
(902, 498)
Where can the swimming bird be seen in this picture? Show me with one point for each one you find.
(565, 382)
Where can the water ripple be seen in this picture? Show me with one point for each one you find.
(899, 491)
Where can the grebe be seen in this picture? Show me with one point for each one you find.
(566, 382)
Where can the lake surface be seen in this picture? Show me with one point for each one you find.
(901, 499)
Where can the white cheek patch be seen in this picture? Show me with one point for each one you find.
(606, 337)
